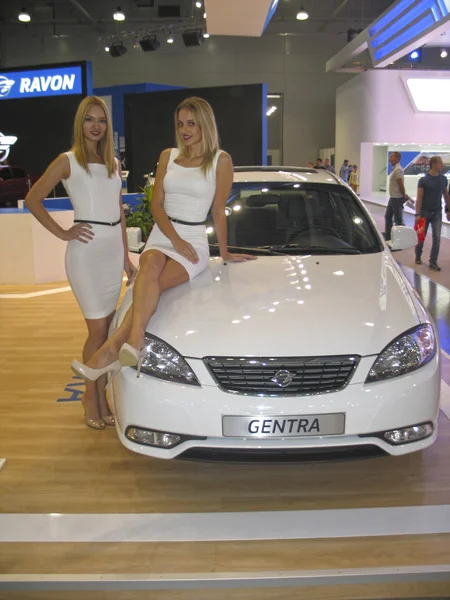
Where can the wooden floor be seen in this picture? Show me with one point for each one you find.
(417, 591)
(55, 464)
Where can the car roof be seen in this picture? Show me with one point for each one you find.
(284, 174)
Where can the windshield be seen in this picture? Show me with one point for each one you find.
(296, 218)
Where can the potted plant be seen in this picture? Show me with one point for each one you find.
(140, 215)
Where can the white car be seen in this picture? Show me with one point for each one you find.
(320, 346)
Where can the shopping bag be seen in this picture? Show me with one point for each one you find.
(420, 229)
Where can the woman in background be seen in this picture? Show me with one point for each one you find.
(97, 251)
(353, 180)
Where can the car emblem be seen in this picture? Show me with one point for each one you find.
(5, 86)
(6, 141)
(283, 378)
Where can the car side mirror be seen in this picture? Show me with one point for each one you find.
(402, 238)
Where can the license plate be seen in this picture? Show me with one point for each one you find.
(285, 426)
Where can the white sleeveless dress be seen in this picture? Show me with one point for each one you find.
(95, 269)
(188, 196)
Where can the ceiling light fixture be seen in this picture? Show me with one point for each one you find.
(444, 53)
(271, 110)
(24, 16)
(149, 43)
(192, 38)
(106, 48)
(204, 15)
(206, 35)
(198, 4)
(170, 39)
(116, 50)
(302, 15)
(119, 15)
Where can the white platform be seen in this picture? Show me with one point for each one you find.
(28, 252)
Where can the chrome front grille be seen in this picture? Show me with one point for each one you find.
(282, 376)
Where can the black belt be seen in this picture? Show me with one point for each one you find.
(97, 222)
(186, 222)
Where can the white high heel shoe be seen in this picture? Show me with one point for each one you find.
(90, 374)
(130, 357)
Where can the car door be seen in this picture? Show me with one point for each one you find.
(6, 186)
(20, 183)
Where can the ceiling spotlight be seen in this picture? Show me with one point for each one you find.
(24, 16)
(302, 15)
(116, 50)
(204, 15)
(150, 44)
(106, 48)
(119, 15)
(192, 38)
(444, 53)
(206, 35)
(198, 4)
(170, 39)
(271, 110)
(415, 54)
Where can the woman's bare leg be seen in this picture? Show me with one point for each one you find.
(105, 411)
(152, 262)
(97, 334)
(157, 273)
(157, 278)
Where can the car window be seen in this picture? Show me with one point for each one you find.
(5, 174)
(17, 173)
(313, 217)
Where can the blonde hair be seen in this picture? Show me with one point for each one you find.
(204, 117)
(105, 145)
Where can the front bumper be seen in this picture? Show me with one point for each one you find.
(197, 412)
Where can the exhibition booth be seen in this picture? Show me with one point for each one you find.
(38, 105)
(381, 111)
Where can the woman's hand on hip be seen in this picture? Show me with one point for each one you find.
(80, 231)
(238, 257)
(187, 250)
(130, 270)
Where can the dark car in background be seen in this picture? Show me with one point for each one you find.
(15, 183)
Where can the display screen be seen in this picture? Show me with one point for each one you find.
(420, 164)
(34, 131)
(150, 127)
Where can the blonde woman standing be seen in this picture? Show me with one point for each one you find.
(189, 180)
(97, 251)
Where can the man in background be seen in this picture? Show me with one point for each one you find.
(344, 171)
(430, 189)
(397, 195)
(319, 164)
(328, 167)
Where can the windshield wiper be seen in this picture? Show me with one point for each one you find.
(326, 249)
(254, 249)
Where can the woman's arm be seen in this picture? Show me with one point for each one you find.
(160, 216)
(224, 181)
(128, 266)
(59, 169)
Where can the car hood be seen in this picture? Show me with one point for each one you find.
(288, 306)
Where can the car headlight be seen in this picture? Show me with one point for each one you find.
(407, 353)
(166, 363)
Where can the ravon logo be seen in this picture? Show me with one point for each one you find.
(6, 141)
(5, 86)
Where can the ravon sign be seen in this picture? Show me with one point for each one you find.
(42, 82)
